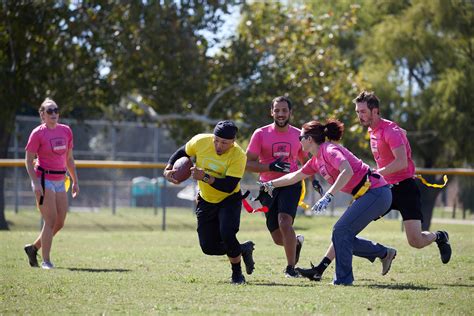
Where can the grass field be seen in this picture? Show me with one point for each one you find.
(126, 264)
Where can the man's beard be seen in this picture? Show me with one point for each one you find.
(280, 124)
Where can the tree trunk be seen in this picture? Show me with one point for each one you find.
(428, 199)
(5, 133)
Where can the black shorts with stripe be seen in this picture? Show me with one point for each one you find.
(285, 200)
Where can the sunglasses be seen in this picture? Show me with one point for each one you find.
(51, 111)
(301, 137)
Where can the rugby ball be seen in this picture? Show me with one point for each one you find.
(182, 169)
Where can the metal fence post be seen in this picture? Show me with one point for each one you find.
(15, 170)
(163, 203)
(114, 185)
(156, 140)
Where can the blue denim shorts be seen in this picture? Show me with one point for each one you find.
(55, 186)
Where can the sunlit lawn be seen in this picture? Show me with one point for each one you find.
(127, 264)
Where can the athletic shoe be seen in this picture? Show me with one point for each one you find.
(312, 273)
(238, 278)
(299, 245)
(387, 260)
(247, 254)
(290, 272)
(444, 246)
(47, 265)
(31, 252)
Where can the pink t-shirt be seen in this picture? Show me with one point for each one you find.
(51, 147)
(327, 162)
(384, 138)
(269, 144)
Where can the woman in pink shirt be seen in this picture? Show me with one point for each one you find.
(51, 143)
(347, 173)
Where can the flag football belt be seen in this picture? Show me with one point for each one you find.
(249, 207)
(43, 172)
(264, 209)
(433, 185)
(364, 185)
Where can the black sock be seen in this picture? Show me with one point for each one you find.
(439, 236)
(236, 268)
(323, 265)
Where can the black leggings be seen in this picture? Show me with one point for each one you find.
(218, 225)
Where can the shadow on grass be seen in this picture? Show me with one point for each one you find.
(259, 283)
(96, 270)
(400, 286)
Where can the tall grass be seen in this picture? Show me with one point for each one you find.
(127, 264)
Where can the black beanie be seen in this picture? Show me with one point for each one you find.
(225, 129)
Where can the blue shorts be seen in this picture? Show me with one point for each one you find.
(55, 186)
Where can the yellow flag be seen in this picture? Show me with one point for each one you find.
(67, 182)
(301, 202)
(433, 185)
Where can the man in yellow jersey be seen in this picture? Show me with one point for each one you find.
(219, 167)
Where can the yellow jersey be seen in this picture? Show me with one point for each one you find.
(231, 163)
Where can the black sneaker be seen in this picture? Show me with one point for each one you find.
(32, 252)
(299, 245)
(290, 272)
(247, 254)
(313, 274)
(444, 246)
(238, 278)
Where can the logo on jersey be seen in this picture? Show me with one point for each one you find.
(214, 167)
(58, 145)
(281, 149)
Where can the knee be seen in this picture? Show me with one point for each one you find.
(277, 240)
(58, 225)
(341, 231)
(207, 248)
(415, 242)
(50, 223)
(285, 224)
(228, 238)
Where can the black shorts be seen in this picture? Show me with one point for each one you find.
(285, 200)
(406, 199)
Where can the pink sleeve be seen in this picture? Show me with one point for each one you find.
(255, 143)
(336, 157)
(394, 137)
(33, 142)
(310, 167)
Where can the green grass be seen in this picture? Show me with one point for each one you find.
(127, 264)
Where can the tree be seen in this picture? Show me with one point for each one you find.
(64, 51)
(45, 55)
(283, 49)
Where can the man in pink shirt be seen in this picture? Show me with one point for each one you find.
(273, 151)
(392, 152)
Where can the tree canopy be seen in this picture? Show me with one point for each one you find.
(132, 60)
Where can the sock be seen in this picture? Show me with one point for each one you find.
(439, 236)
(323, 265)
(236, 268)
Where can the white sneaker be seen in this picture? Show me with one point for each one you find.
(47, 265)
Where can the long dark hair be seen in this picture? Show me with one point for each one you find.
(332, 130)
